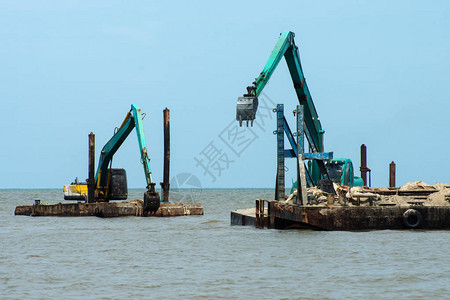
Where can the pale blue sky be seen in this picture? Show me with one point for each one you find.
(378, 72)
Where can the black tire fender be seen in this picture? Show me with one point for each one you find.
(412, 218)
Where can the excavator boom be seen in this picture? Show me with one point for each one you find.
(247, 105)
(285, 47)
(133, 119)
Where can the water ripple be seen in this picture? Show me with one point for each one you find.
(204, 257)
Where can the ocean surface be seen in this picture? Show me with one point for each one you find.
(204, 257)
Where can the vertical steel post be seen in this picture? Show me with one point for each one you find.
(280, 187)
(165, 185)
(363, 167)
(91, 169)
(259, 213)
(392, 174)
(302, 196)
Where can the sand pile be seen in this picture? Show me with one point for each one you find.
(412, 193)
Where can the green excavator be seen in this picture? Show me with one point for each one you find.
(338, 170)
(111, 183)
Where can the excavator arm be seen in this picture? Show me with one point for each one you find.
(285, 47)
(110, 184)
(247, 105)
(108, 151)
(132, 120)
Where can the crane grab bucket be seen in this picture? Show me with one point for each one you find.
(246, 109)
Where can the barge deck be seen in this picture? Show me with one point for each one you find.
(414, 206)
(108, 209)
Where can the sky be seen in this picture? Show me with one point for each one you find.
(378, 73)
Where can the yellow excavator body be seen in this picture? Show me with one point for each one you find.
(75, 191)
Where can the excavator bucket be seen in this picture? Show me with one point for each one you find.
(246, 109)
(151, 199)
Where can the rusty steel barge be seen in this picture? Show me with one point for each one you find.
(108, 209)
(414, 206)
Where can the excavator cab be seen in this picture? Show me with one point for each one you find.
(118, 188)
(340, 170)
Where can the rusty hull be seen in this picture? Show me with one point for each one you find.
(108, 209)
(285, 216)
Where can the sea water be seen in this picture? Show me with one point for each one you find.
(204, 257)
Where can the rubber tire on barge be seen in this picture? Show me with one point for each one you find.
(412, 218)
